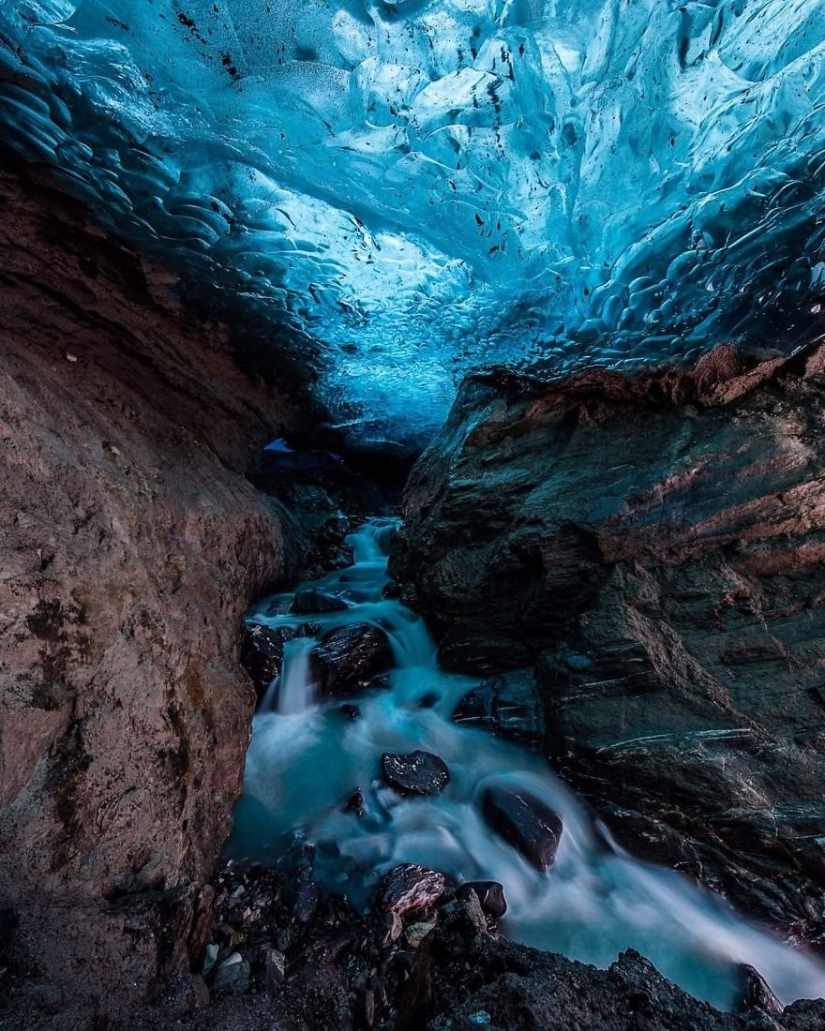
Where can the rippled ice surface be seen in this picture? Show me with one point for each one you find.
(305, 760)
(416, 188)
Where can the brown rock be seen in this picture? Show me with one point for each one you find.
(131, 545)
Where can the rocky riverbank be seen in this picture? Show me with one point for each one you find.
(649, 549)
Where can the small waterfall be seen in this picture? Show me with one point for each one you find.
(292, 691)
(306, 760)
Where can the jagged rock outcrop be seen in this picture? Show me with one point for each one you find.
(131, 544)
(653, 547)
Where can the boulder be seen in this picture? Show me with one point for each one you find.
(417, 773)
(507, 705)
(262, 653)
(525, 822)
(490, 895)
(348, 657)
(409, 888)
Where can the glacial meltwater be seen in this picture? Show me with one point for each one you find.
(306, 759)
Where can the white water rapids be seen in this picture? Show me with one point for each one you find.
(306, 759)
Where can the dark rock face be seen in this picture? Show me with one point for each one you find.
(418, 773)
(262, 653)
(348, 657)
(653, 546)
(131, 545)
(507, 705)
(526, 823)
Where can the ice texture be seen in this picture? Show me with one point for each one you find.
(404, 191)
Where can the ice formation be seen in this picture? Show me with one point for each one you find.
(419, 188)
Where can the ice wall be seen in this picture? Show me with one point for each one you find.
(421, 187)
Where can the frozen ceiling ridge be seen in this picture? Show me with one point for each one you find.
(429, 187)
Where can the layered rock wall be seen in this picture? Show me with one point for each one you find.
(653, 546)
(130, 545)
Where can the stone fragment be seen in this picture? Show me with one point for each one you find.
(348, 657)
(490, 896)
(416, 933)
(409, 888)
(274, 968)
(525, 822)
(416, 773)
(233, 976)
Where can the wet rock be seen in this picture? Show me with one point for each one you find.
(490, 895)
(232, 976)
(306, 603)
(409, 888)
(262, 653)
(465, 914)
(306, 901)
(757, 993)
(507, 705)
(355, 803)
(274, 968)
(525, 822)
(348, 657)
(416, 773)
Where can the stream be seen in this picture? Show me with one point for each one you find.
(306, 759)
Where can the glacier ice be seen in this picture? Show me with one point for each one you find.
(414, 189)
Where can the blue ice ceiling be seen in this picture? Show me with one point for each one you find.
(420, 188)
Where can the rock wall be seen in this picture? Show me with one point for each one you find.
(653, 547)
(130, 545)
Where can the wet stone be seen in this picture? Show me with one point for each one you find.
(409, 888)
(757, 993)
(274, 968)
(348, 657)
(416, 773)
(490, 896)
(523, 821)
(262, 653)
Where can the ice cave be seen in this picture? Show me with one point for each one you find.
(412, 191)
(412, 515)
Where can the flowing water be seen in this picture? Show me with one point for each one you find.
(306, 759)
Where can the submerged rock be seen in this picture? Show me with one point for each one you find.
(307, 603)
(348, 657)
(525, 822)
(417, 773)
(409, 888)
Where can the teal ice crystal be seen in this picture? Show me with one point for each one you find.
(420, 188)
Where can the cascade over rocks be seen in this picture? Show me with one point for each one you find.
(348, 657)
(653, 546)
(131, 546)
